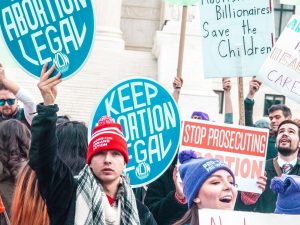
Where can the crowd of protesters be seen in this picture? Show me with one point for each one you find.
(51, 175)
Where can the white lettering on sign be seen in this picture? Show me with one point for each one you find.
(30, 18)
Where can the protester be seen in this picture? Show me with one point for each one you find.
(207, 183)
(10, 94)
(165, 197)
(28, 207)
(200, 116)
(99, 194)
(287, 144)
(287, 188)
(14, 150)
(277, 114)
(72, 144)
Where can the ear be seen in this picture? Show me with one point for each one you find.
(197, 200)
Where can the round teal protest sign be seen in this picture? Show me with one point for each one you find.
(151, 125)
(41, 31)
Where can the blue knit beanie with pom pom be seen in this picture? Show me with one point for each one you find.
(194, 172)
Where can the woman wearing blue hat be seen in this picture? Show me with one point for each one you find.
(207, 183)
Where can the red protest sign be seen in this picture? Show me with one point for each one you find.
(243, 149)
(224, 138)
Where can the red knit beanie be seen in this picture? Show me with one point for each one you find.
(107, 135)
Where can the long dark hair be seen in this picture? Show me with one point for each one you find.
(15, 140)
(72, 144)
(190, 217)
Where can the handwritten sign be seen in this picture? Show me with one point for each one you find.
(281, 70)
(243, 149)
(58, 32)
(236, 36)
(151, 125)
(225, 217)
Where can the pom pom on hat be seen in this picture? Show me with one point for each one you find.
(288, 189)
(195, 171)
(187, 155)
(107, 135)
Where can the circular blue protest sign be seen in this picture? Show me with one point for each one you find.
(151, 125)
(57, 32)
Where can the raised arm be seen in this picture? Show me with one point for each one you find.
(43, 151)
(9, 84)
(21, 94)
(254, 86)
(228, 118)
(56, 183)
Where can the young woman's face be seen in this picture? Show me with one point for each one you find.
(217, 192)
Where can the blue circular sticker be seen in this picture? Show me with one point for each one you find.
(151, 125)
(57, 32)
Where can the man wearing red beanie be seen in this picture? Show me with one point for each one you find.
(100, 194)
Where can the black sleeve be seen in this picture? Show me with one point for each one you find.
(248, 103)
(160, 199)
(56, 183)
(146, 217)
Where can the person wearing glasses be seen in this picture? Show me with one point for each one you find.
(10, 94)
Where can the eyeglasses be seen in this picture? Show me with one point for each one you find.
(10, 101)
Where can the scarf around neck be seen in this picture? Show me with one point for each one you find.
(90, 201)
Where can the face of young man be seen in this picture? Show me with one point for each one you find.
(276, 118)
(287, 140)
(217, 192)
(108, 166)
(6, 109)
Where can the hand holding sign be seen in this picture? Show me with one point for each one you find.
(48, 86)
(262, 182)
(178, 186)
(254, 86)
(226, 84)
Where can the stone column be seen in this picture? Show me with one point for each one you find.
(108, 18)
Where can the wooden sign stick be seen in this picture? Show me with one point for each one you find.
(241, 101)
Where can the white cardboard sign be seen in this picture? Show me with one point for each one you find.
(227, 217)
(281, 70)
(236, 36)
